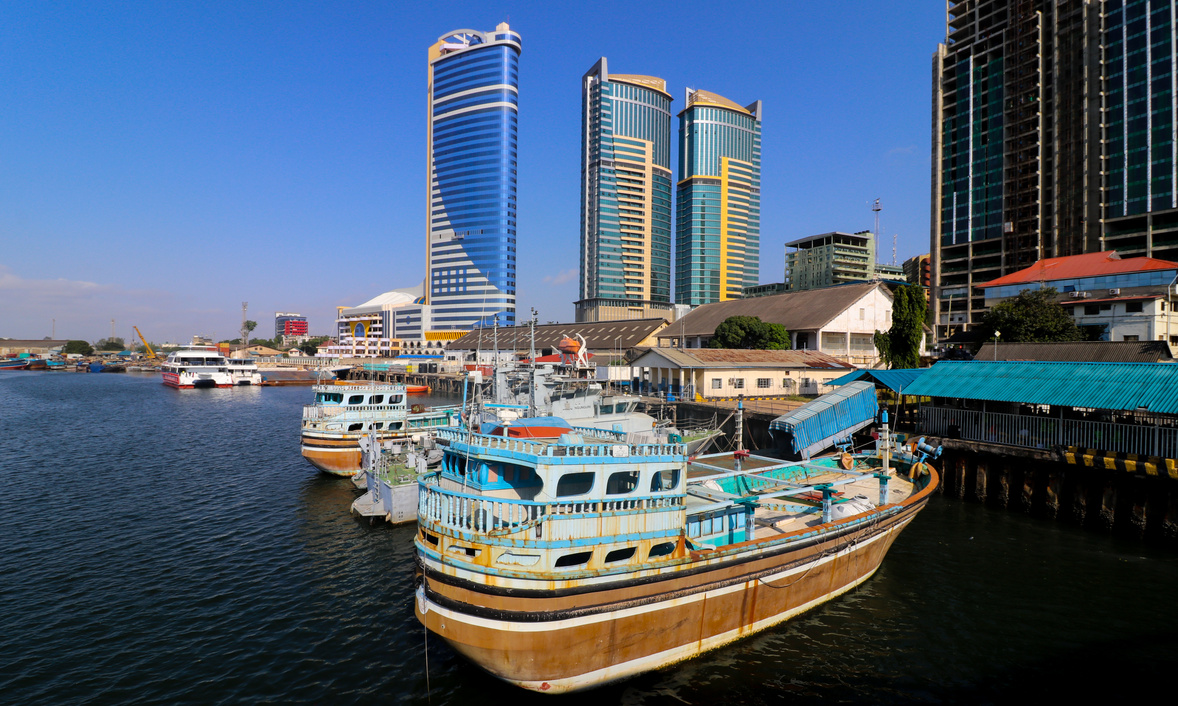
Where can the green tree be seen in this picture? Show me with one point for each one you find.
(751, 333)
(78, 347)
(111, 344)
(900, 345)
(1034, 316)
(311, 346)
(250, 325)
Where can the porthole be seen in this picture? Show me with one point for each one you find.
(574, 559)
(664, 549)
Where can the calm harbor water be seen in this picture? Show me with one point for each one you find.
(165, 546)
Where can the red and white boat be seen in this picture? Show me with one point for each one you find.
(196, 367)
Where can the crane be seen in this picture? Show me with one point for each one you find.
(146, 345)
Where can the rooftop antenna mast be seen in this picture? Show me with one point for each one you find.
(876, 208)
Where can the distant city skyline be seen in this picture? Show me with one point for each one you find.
(164, 163)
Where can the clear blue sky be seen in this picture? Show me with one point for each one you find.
(160, 163)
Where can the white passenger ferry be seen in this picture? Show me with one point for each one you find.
(244, 371)
(196, 367)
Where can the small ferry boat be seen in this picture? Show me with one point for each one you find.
(343, 412)
(243, 371)
(190, 368)
(564, 563)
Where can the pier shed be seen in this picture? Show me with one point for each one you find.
(1112, 408)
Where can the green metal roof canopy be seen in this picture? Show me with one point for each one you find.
(896, 380)
(1113, 386)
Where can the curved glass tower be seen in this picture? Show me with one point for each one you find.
(718, 200)
(625, 196)
(473, 108)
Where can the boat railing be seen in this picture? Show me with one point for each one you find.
(547, 448)
(312, 412)
(360, 386)
(470, 512)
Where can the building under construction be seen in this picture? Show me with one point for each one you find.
(1016, 144)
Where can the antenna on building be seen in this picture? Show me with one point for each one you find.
(876, 208)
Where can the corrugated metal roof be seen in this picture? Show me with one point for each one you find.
(599, 335)
(1113, 386)
(1080, 351)
(896, 380)
(816, 425)
(742, 358)
(1091, 264)
(806, 310)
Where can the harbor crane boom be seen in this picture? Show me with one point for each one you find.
(146, 345)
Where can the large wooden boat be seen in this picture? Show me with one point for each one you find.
(565, 563)
(344, 412)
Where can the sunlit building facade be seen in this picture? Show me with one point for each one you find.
(718, 199)
(625, 196)
(472, 138)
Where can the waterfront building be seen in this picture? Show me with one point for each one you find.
(289, 324)
(838, 321)
(828, 259)
(380, 327)
(471, 145)
(625, 196)
(717, 199)
(1110, 297)
(708, 373)
(1016, 143)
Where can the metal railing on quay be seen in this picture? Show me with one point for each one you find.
(1039, 432)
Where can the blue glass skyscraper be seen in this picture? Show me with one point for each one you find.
(473, 122)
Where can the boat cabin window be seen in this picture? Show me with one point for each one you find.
(574, 484)
(664, 480)
(396, 399)
(574, 559)
(356, 427)
(663, 549)
(621, 482)
(620, 554)
(329, 397)
(378, 425)
(376, 399)
(607, 409)
(356, 399)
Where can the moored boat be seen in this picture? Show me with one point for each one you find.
(190, 368)
(344, 412)
(562, 564)
(14, 364)
(243, 371)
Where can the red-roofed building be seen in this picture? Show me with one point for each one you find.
(1115, 298)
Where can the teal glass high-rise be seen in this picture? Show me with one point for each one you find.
(718, 200)
(625, 196)
(473, 125)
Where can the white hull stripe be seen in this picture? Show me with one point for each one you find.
(512, 626)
